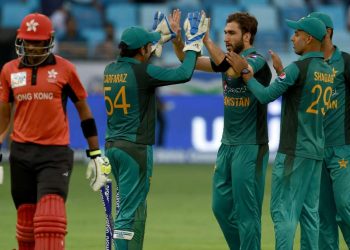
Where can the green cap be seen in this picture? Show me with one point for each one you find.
(310, 25)
(136, 37)
(327, 20)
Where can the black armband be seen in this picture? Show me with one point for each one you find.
(89, 127)
(222, 67)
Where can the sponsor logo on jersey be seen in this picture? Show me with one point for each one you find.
(31, 25)
(18, 79)
(52, 76)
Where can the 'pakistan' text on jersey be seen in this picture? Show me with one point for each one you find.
(245, 119)
(129, 87)
(337, 120)
(40, 96)
(306, 86)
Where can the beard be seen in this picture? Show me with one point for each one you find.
(238, 48)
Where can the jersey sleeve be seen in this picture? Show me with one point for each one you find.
(76, 90)
(167, 76)
(5, 89)
(277, 87)
(256, 62)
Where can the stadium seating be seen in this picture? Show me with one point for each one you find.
(122, 15)
(265, 40)
(86, 16)
(266, 15)
(93, 37)
(291, 13)
(13, 13)
(336, 12)
(219, 14)
(147, 13)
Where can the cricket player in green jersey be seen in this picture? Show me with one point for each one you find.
(239, 177)
(129, 84)
(334, 207)
(306, 89)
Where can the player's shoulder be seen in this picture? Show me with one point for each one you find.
(63, 62)
(345, 55)
(13, 63)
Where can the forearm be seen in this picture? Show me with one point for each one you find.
(178, 46)
(216, 54)
(266, 94)
(166, 76)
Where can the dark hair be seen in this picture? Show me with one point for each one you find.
(246, 22)
(125, 52)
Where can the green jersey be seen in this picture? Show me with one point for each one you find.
(306, 87)
(129, 88)
(245, 119)
(337, 121)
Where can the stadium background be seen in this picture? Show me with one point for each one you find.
(179, 203)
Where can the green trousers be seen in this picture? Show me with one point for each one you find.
(132, 166)
(238, 190)
(335, 197)
(295, 198)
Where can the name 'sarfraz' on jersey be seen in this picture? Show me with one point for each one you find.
(117, 78)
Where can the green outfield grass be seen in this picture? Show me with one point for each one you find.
(179, 213)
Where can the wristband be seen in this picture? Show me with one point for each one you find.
(93, 153)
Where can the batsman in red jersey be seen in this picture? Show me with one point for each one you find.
(37, 85)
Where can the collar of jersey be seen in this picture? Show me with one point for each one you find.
(246, 52)
(335, 56)
(50, 60)
(311, 54)
(129, 60)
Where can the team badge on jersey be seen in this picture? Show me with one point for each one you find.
(282, 76)
(52, 76)
(18, 79)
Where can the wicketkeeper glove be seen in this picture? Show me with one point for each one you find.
(195, 26)
(161, 24)
(98, 169)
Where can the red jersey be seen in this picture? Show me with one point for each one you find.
(40, 95)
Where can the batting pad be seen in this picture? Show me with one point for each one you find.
(25, 227)
(50, 223)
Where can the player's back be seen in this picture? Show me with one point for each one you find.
(130, 105)
(304, 106)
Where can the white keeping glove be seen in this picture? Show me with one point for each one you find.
(161, 24)
(97, 171)
(195, 26)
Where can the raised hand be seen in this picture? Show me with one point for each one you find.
(195, 26)
(276, 62)
(161, 24)
(239, 65)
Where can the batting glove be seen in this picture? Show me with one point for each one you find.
(98, 169)
(161, 25)
(195, 26)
